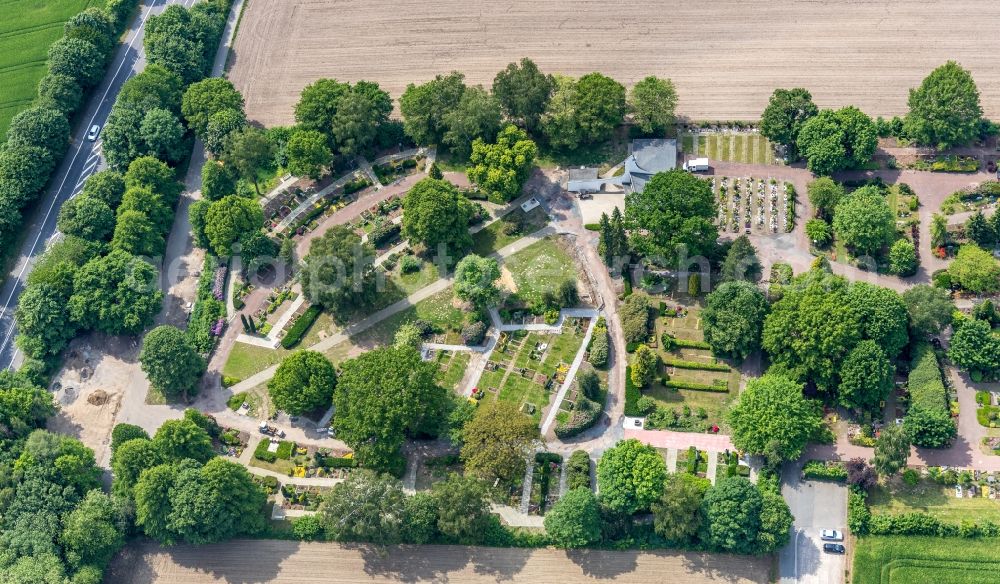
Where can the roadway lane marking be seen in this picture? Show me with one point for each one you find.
(48, 212)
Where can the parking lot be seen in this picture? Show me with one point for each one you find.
(816, 505)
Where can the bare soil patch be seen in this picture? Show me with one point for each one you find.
(725, 57)
(287, 562)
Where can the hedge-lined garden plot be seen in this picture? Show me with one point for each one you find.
(526, 368)
(692, 389)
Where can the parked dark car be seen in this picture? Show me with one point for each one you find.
(833, 548)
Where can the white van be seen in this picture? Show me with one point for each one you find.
(696, 165)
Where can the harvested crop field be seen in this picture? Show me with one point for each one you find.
(724, 56)
(288, 562)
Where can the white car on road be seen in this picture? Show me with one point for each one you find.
(94, 132)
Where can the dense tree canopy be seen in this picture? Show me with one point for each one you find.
(892, 448)
(740, 518)
(835, 140)
(170, 361)
(476, 116)
(230, 220)
(930, 309)
(44, 326)
(116, 294)
(78, 59)
(475, 279)
(773, 418)
(86, 217)
(575, 520)
(865, 377)
(864, 222)
(360, 113)
(176, 440)
(308, 153)
(600, 106)
(786, 112)
(652, 102)
(975, 347)
(903, 259)
(676, 514)
(944, 110)
(437, 215)
(249, 151)
(741, 263)
(303, 383)
(975, 270)
(523, 92)
(559, 122)
(365, 507)
(811, 329)
(462, 509)
(825, 194)
(882, 315)
(206, 98)
(501, 168)
(734, 319)
(424, 106)
(630, 476)
(318, 104)
(496, 442)
(339, 271)
(380, 397)
(675, 209)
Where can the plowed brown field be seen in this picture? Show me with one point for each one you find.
(725, 56)
(286, 562)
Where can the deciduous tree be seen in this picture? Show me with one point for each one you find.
(825, 194)
(786, 112)
(741, 263)
(600, 106)
(463, 512)
(652, 102)
(366, 507)
(835, 140)
(304, 382)
(772, 416)
(892, 448)
(437, 215)
(501, 168)
(475, 279)
(676, 514)
(523, 92)
(975, 270)
(308, 153)
(574, 521)
(209, 96)
(496, 441)
(318, 104)
(249, 151)
(116, 294)
(339, 271)
(930, 309)
(864, 222)
(170, 361)
(903, 259)
(476, 117)
(424, 106)
(865, 377)
(86, 217)
(734, 319)
(559, 122)
(944, 110)
(675, 209)
(230, 220)
(630, 476)
(382, 395)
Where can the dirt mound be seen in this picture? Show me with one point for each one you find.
(98, 398)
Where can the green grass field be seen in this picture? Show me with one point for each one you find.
(27, 29)
(541, 266)
(746, 148)
(916, 560)
(933, 499)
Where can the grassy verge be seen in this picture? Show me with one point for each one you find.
(507, 230)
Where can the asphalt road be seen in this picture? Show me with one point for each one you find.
(83, 159)
(816, 505)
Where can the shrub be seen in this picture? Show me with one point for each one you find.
(584, 414)
(911, 477)
(473, 333)
(300, 326)
(409, 264)
(236, 400)
(635, 318)
(632, 395)
(261, 453)
(599, 349)
(578, 471)
(668, 342)
(383, 233)
(928, 419)
(285, 449)
(681, 364)
(694, 284)
(645, 404)
(824, 470)
(715, 387)
(858, 514)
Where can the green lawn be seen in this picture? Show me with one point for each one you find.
(451, 367)
(541, 266)
(437, 310)
(933, 499)
(918, 560)
(245, 360)
(410, 283)
(27, 29)
(494, 236)
(746, 148)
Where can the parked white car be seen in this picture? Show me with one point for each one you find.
(831, 535)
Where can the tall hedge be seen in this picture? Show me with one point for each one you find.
(928, 419)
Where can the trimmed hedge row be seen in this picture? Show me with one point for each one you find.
(824, 470)
(696, 386)
(929, 417)
(300, 326)
(692, 344)
(681, 364)
(578, 471)
(584, 414)
(632, 395)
